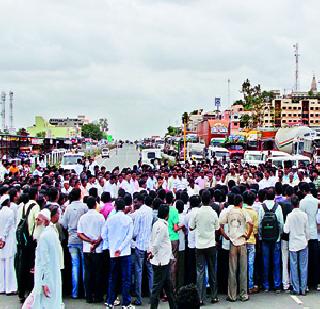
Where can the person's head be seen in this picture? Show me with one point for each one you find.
(188, 297)
(75, 194)
(156, 203)
(91, 202)
(194, 201)
(105, 197)
(288, 192)
(205, 197)
(295, 201)
(14, 195)
(53, 194)
(169, 198)
(278, 188)
(43, 217)
(270, 194)
(304, 187)
(33, 193)
(161, 193)
(120, 205)
(93, 192)
(249, 197)
(180, 206)
(138, 200)
(128, 199)
(163, 212)
(55, 213)
(238, 200)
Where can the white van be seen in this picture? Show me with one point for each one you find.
(70, 159)
(296, 160)
(253, 158)
(219, 153)
(105, 153)
(150, 154)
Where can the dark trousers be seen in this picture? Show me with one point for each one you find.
(174, 263)
(223, 270)
(120, 264)
(181, 269)
(105, 272)
(208, 256)
(25, 260)
(93, 276)
(161, 280)
(313, 263)
(191, 266)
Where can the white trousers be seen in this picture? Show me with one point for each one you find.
(285, 264)
(8, 278)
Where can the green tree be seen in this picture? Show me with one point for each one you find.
(245, 121)
(91, 130)
(256, 100)
(41, 134)
(172, 131)
(185, 119)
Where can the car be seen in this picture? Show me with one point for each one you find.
(105, 153)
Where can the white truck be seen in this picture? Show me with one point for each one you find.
(286, 138)
(219, 153)
(195, 151)
(150, 155)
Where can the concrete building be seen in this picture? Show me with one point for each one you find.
(294, 108)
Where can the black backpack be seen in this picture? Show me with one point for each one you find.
(22, 233)
(269, 225)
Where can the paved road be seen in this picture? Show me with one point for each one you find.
(260, 301)
(127, 156)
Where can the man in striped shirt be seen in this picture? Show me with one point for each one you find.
(141, 233)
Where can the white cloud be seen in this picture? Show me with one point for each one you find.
(143, 63)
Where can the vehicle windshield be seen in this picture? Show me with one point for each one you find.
(253, 157)
(105, 150)
(196, 153)
(253, 144)
(220, 154)
(70, 160)
(236, 147)
(151, 155)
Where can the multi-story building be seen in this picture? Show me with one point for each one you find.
(294, 108)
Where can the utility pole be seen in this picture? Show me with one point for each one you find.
(11, 109)
(229, 92)
(3, 112)
(296, 55)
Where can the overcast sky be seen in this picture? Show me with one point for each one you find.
(142, 63)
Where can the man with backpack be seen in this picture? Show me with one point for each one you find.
(26, 244)
(270, 229)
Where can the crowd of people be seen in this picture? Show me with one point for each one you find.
(183, 234)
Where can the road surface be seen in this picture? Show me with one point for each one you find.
(259, 301)
(127, 156)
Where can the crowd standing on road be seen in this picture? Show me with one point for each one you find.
(167, 232)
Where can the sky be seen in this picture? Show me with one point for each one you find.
(142, 63)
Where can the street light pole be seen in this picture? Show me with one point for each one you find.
(184, 138)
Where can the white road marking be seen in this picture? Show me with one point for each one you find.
(296, 299)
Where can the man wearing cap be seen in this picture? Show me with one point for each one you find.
(47, 277)
(8, 279)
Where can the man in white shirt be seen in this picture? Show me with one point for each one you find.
(297, 227)
(89, 230)
(160, 253)
(309, 205)
(79, 167)
(206, 223)
(111, 187)
(118, 232)
(266, 182)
